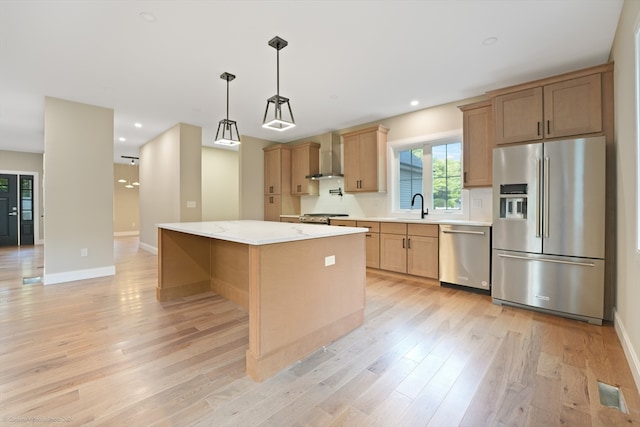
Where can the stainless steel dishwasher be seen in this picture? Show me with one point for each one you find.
(465, 255)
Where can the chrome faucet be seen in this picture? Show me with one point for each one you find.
(422, 211)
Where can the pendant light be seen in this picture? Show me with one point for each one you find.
(278, 122)
(129, 185)
(227, 137)
(132, 164)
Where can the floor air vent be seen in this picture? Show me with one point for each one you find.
(31, 280)
(611, 397)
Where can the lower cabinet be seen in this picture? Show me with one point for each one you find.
(409, 248)
(400, 247)
(272, 207)
(372, 241)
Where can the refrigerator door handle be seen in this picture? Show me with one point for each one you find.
(556, 261)
(545, 218)
(538, 223)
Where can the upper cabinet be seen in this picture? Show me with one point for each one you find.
(561, 106)
(305, 161)
(365, 160)
(277, 183)
(477, 140)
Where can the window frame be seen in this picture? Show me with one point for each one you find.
(394, 148)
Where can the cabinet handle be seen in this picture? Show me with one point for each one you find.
(271, 189)
(465, 177)
(548, 127)
(368, 235)
(403, 243)
(538, 128)
(409, 243)
(299, 188)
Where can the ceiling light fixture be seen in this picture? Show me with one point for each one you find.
(414, 102)
(278, 123)
(130, 184)
(227, 137)
(121, 139)
(149, 17)
(138, 125)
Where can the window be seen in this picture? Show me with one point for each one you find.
(442, 180)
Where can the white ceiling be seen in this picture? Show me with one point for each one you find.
(348, 62)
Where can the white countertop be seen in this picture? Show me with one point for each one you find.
(260, 232)
(419, 221)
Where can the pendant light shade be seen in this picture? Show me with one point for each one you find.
(227, 133)
(275, 120)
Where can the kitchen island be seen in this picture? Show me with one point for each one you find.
(302, 285)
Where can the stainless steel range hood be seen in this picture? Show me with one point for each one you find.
(330, 158)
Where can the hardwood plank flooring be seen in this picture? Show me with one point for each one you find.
(104, 352)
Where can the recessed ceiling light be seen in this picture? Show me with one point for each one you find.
(121, 139)
(414, 102)
(138, 125)
(149, 17)
(489, 41)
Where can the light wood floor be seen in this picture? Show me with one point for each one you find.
(105, 352)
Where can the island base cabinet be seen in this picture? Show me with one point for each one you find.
(294, 314)
(297, 300)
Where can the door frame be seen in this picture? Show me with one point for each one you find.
(36, 201)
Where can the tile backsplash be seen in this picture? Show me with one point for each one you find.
(478, 201)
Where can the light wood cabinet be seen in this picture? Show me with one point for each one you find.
(305, 160)
(477, 140)
(573, 107)
(552, 108)
(372, 242)
(291, 220)
(365, 160)
(277, 183)
(409, 248)
(422, 250)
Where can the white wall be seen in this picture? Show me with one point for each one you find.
(170, 181)
(78, 191)
(220, 184)
(627, 315)
(439, 120)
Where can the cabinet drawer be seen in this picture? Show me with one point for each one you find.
(393, 228)
(342, 222)
(427, 230)
(374, 227)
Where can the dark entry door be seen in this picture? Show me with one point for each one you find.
(26, 209)
(8, 210)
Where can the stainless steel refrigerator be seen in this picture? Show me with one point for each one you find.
(549, 227)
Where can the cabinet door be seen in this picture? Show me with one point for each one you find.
(422, 256)
(272, 168)
(372, 242)
(519, 116)
(272, 208)
(304, 161)
(573, 107)
(393, 252)
(351, 163)
(368, 152)
(478, 147)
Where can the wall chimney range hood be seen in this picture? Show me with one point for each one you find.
(330, 158)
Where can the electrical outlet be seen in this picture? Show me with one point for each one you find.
(84, 252)
(329, 260)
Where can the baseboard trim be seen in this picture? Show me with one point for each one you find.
(629, 352)
(126, 233)
(148, 248)
(70, 276)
